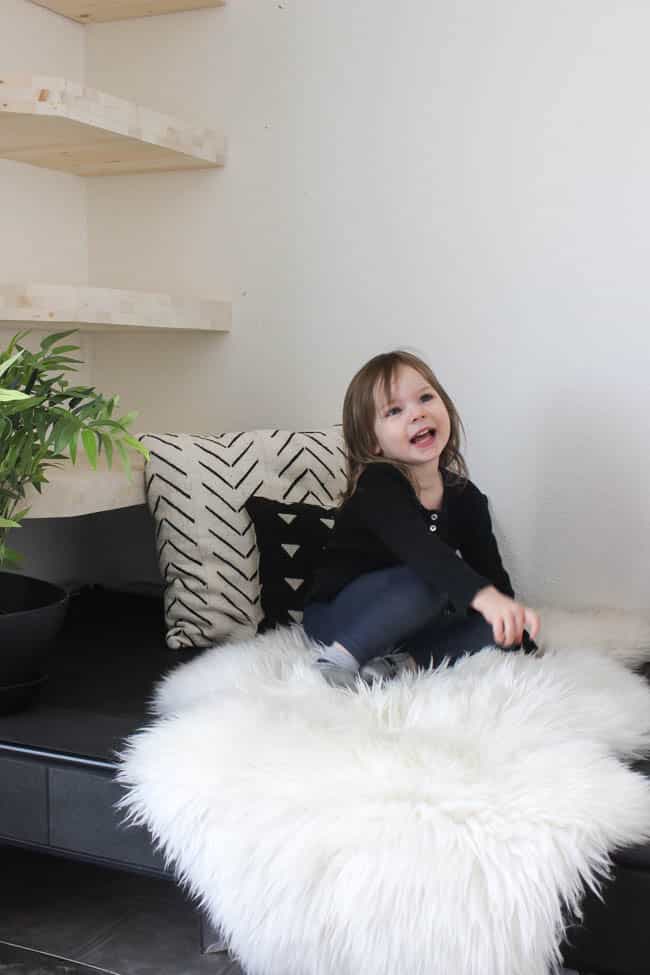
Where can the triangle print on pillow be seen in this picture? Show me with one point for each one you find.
(294, 583)
(290, 549)
(290, 538)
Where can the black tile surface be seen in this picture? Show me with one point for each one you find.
(17, 960)
(127, 924)
(122, 922)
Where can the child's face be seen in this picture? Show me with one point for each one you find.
(413, 425)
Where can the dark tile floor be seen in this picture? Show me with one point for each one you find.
(127, 923)
(18, 960)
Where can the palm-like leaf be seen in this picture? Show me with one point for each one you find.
(43, 419)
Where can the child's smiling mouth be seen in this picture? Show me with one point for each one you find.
(424, 438)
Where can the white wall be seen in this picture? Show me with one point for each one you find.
(43, 229)
(466, 179)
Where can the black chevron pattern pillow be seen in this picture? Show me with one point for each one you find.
(197, 488)
(290, 538)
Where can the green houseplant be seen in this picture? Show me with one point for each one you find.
(44, 421)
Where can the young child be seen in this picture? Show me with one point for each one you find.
(411, 573)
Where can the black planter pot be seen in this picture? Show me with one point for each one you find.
(31, 614)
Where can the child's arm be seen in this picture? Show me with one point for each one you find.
(507, 617)
(385, 502)
(480, 547)
(496, 604)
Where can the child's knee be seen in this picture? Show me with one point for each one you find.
(409, 596)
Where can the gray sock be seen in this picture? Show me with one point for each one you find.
(338, 656)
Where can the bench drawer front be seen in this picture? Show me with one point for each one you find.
(83, 819)
(23, 801)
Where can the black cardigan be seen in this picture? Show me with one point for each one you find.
(383, 524)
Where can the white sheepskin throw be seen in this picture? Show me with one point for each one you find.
(443, 824)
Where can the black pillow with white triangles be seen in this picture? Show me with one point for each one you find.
(290, 539)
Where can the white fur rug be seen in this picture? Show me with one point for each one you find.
(446, 823)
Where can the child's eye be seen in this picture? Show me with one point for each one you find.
(393, 411)
(426, 396)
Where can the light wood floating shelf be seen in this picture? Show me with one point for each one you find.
(98, 11)
(58, 124)
(107, 309)
(79, 490)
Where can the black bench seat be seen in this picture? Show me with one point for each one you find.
(103, 666)
(57, 762)
(58, 758)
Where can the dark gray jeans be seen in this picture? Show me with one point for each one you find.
(393, 609)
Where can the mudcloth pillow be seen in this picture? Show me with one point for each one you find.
(290, 539)
(197, 487)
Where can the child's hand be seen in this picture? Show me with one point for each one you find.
(507, 617)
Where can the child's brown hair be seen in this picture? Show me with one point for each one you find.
(359, 414)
